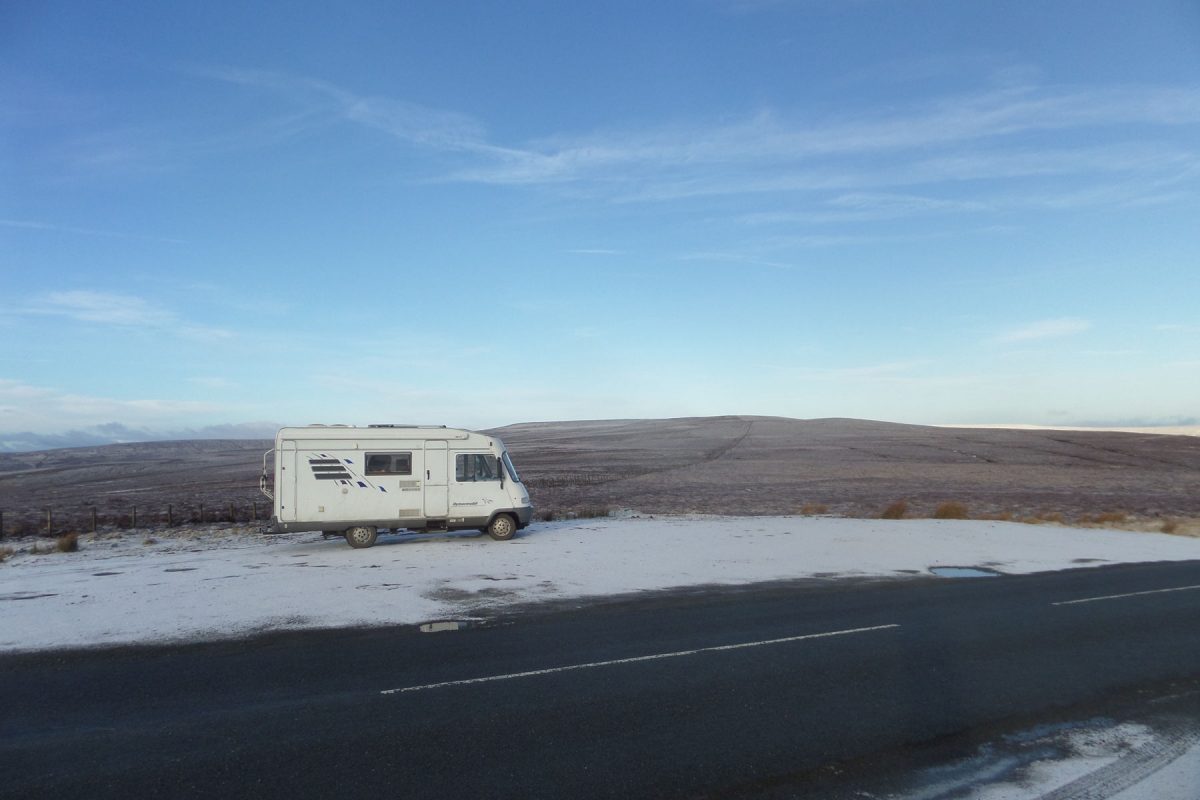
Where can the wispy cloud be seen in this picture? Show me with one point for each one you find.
(856, 206)
(121, 310)
(883, 371)
(1043, 329)
(741, 259)
(1118, 176)
(410, 122)
(886, 370)
(212, 382)
(774, 151)
(770, 138)
(105, 307)
(26, 407)
(1120, 353)
(1117, 142)
(34, 225)
(118, 433)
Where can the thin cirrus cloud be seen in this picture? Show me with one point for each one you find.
(866, 206)
(40, 417)
(104, 307)
(1155, 169)
(37, 225)
(732, 257)
(121, 310)
(770, 139)
(771, 151)
(22, 403)
(413, 123)
(1043, 329)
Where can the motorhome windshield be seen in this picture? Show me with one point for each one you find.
(509, 468)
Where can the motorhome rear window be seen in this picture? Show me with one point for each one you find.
(389, 463)
(476, 467)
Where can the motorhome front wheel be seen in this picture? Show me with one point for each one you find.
(502, 528)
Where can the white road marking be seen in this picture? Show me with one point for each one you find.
(1130, 594)
(656, 656)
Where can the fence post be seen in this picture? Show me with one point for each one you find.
(170, 516)
(133, 524)
(202, 513)
(231, 511)
(253, 504)
(49, 521)
(93, 521)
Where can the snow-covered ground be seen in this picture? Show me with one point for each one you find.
(211, 583)
(1093, 759)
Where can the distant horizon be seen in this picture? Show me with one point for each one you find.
(117, 434)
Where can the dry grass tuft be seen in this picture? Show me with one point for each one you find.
(951, 510)
(590, 512)
(810, 509)
(149, 540)
(996, 516)
(1053, 517)
(896, 510)
(1170, 526)
(585, 512)
(1105, 518)
(5, 553)
(67, 543)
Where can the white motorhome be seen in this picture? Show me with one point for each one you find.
(356, 481)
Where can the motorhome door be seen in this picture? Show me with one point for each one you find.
(285, 481)
(437, 502)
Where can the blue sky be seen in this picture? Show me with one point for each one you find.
(476, 214)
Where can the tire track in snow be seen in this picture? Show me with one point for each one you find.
(1131, 769)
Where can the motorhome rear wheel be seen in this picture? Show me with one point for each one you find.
(361, 536)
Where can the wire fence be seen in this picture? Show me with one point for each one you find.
(50, 521)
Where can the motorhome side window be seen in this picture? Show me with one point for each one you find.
(389, 463)
(476, 467)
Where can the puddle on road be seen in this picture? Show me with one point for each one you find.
(965, 572)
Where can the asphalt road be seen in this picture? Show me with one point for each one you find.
(744, 693)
